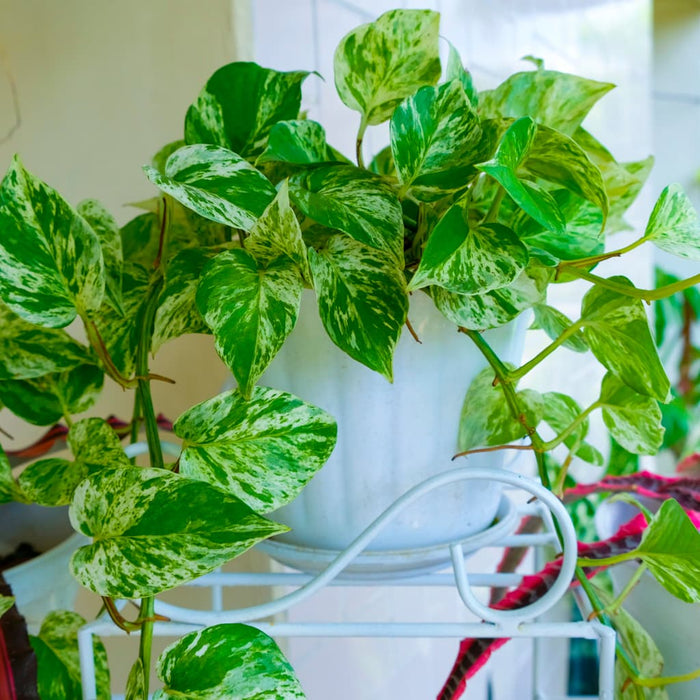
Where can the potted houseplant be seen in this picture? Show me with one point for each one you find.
(479, 203)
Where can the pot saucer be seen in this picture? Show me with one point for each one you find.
(376, 565)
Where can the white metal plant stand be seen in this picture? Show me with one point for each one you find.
(496, 623)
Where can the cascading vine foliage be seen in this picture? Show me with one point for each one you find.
(482, 200)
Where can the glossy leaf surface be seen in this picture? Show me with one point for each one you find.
(263, 450)
(674, 225)
(553, 322)
(300, 142)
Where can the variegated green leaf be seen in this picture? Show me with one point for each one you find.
(28, 351)
(9, 490)
(6, 602)
(617, 332)
(558, 100)
(486, 417)
(483, 311)
(300, 142)
(250, 308)
(560, 411)
(674, 225)
(383, 163)
(153, 530)
(58, 659)
(558, 159)
(276, 233)
(379, 64)
(177, 311)
(362, 300)
(352, 200)
(435, 137)
(512, 151)
(121, 333)
(263, 450)
(581, 237)
(108, 233)
(670, 548)
(455, 70)
(633, 420)
(240, 103)
(160, 158)
(469, 260)
(553, 322)
(52, 481)
(136, 682)
(216, 183)
(44, 400)
(226, 661)
(51, 265)
(140, 238)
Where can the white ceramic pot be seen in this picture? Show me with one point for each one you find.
(390, 436)
(43, 583)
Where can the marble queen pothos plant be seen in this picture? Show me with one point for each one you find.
(482, 200)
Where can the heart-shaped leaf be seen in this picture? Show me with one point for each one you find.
(487, 418)
(469, 260)
(216, 183)
(633, 420)
(240, 103)
(299, 142)
(52, 481)
(674, 225)
(58, 659)
(512, 151)
(153, 530)
(558, 100)
(435, 138)
(379, 64)
(617, 332)
(226, 661)
(51, 265)
(263, 450)
(362, 300)
(351, 200)
(250, 308)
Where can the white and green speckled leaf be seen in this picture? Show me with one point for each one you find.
(558, 159)
(553, 322)
(58, 659)
(177, 311)
(480, 312)
(299, 142)
(52, 481)
(45, 400)
(435, 137)
(27, 350)
(226, 661)
(277, 233)
(6, 602)
(216, 183)
(617, 332)
(153, 530)
(362, 300)
(263, 450)
(486, 418)
(455, 70)
(250, 308)
(239, 105)
(379, 64)
(560, 411)
(9, 490)
(674, 225)
(354, 201)
(512, 151)
(670, 548)
(558, 100)
(136, 682)
(109, 235)
(51, 265)
(633, 420)
(469, 260)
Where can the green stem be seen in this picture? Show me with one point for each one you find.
(647, 295)
(146, 640)
(492, 213)
(608, 561)
(531, 364)
(571, 428)
(634, 579)
(595, 259)
(358, 142)
(666, 680)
